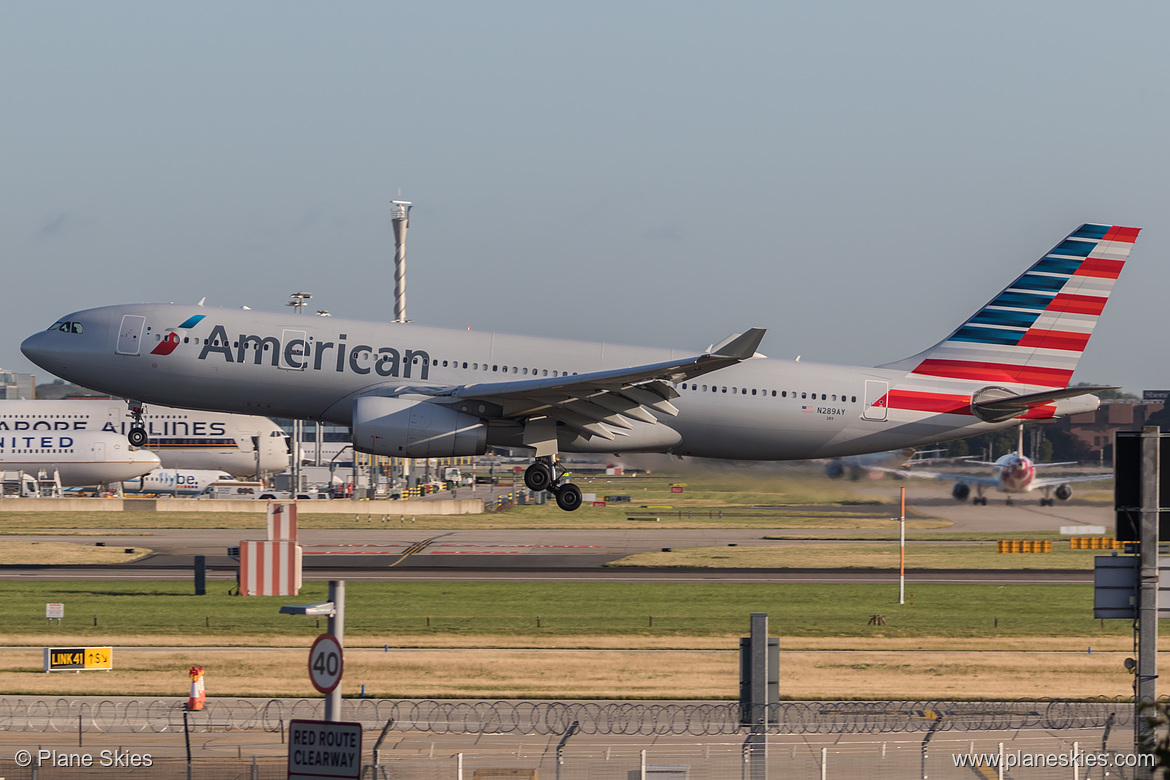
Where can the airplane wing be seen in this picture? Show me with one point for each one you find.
(937, 475)
(600, 403)
(1039, 483)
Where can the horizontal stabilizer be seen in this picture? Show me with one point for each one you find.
(1002, 406)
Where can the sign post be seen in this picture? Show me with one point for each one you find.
(325, 663)
(321, 749)
(77, 659)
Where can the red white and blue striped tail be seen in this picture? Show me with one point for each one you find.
(1033, 333)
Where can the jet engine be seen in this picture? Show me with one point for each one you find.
(405, 428)
(1063, 492)
(960, 491)
(835, 469)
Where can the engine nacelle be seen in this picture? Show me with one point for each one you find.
(1063, 492)
(403, 428)
(960, 491)
(835, 469)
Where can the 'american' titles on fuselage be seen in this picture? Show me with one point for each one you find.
(301, 352)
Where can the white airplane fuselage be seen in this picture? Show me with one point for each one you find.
(176, 482)
(182, 438)
(80, 458)
(270, 364)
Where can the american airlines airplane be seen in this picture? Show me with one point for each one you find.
(413, 391)
(182, 438)
(79, 458)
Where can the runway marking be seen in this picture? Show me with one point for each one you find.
(417, 547)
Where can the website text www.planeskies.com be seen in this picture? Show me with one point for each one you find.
(1070, 758)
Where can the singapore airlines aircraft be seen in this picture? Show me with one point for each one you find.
(413, 391)
(79, 458)
(184, 439)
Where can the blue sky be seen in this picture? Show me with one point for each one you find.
(856, 177)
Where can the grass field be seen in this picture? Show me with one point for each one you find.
(383, 612)
(603, 640)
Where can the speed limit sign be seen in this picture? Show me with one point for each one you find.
(325, 663)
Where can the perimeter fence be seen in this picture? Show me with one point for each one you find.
(131, 715)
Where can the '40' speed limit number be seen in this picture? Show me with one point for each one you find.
(325, 663)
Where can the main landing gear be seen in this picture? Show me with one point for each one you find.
(137, 434)
(542, 475)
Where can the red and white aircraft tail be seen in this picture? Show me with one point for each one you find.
(1015, 356)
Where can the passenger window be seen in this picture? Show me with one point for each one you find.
(804, 395)
(834, 396)
(773, 393)
(854, 398)
(753, 391)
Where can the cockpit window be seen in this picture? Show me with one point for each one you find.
(67, 327)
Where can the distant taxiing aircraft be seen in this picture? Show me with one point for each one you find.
(1013, 473)
(79, 458)
(418, 392)
(182, 438)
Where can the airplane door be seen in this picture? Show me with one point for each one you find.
(294, 352)
(99, 452)
(130, 334)
(875, 400)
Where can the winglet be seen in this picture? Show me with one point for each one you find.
(739, 346)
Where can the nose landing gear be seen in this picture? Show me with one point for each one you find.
(137, 434)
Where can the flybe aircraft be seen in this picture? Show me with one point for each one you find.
(413, 391)
(182, 438)
(79, 458)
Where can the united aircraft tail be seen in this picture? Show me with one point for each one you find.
(1025, 343)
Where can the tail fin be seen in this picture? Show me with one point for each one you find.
(1033, 333)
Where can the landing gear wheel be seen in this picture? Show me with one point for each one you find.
(569, 497)
(538, 477)
(137, 437)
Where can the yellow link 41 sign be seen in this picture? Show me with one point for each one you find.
(59, 659)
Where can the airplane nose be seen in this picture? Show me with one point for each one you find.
(146, 457)
(42, 349)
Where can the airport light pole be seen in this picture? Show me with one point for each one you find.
(334, 610)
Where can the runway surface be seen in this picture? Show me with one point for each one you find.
(399, 551)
